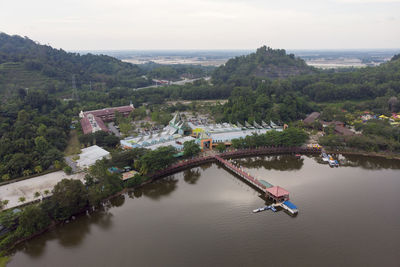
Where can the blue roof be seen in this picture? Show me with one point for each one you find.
(290, 205)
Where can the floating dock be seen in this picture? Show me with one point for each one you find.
(276, 193)
(290, 207)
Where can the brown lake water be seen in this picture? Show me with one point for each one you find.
(348, 216)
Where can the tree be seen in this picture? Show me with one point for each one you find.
(190, 149)
(5, 202)
(68, 170)
(21, 199)
(46, 192)
(69, 197)
(221, 147)
(26, 172)
(32, 220)
(41, 144)
(125, 128)
(155, 160)
(36, 195)
(57, 164)
(38, 169)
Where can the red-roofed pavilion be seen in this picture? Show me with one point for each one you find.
(277, 193)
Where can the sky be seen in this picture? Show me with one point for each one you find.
(204, 24)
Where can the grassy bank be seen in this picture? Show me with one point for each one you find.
(73, 146)
(3, 261)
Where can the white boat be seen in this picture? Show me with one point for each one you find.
(258, 210)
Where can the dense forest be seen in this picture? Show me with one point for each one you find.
(24, 63)
(175, 71)
(34, 129)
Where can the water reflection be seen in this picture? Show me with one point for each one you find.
(191, 176)
(158, 189)
(70, 234)
(280, 163)
(205, 166)
(117, 201)
(364, 162)
(369, 163)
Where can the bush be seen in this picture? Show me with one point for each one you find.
(68, 170)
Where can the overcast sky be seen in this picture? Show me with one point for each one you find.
(204, 24)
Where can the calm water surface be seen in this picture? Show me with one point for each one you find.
(348, 216)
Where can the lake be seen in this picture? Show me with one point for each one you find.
(348, 216)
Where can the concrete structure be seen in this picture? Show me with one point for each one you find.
(90, 155)
(93, 120)
(27, 188)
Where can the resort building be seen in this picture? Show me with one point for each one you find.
(90, 155)
(93, 120)
(179, 131)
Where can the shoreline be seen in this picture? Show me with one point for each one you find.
(365, 154)
(155, 176)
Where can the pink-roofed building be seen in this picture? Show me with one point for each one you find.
(93, 120)
(277, 193)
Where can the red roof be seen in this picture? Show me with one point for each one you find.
(277, 191)
(101, 124)
(86, 127)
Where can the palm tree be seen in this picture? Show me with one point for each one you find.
(5, 202)
(38, 169)
(36, 195)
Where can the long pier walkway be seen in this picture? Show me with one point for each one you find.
(241, 173)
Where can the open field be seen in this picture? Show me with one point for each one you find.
(73, 147)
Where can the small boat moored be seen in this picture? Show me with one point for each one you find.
(289, 206)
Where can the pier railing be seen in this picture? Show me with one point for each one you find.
(189, 163)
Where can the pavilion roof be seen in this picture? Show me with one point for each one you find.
(277, 191)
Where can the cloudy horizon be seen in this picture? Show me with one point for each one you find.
(205, 24)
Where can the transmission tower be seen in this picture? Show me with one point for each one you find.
(74, 90)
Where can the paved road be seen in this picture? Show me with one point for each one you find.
(111, 126)
(27, 188)
(181, 82)
(72, 164)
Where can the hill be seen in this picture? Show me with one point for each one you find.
(264, 63)
(26, 64)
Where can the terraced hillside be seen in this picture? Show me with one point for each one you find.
(13, 75)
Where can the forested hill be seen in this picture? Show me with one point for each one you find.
(27, 64)
(264, 63)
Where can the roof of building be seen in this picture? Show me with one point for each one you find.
(326, 123)
(107, 111)
(86, 126)
(90, 123)
(90, 155)
(343, 130)
(128, 175)
(312, 117)
(277, 191)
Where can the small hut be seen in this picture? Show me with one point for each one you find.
(277, 194)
